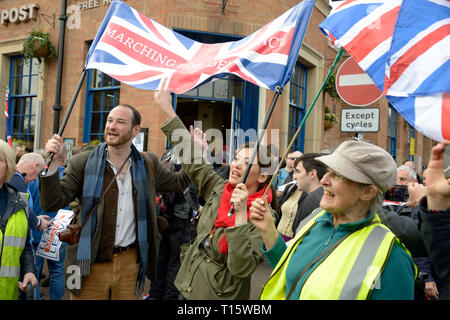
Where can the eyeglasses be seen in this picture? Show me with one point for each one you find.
(293, 158)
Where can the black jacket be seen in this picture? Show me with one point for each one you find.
(309, 204)
(19, 183)
(406, 229)
(14, 204)
(435, 231)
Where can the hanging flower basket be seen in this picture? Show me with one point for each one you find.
(40, 50)
(328, 124)
(330, 120)
(38, 45)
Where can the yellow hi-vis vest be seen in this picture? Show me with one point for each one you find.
(12, 243)
(349, 272)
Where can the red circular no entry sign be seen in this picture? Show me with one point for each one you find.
(354, 86)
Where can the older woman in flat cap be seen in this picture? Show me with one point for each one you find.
(341, 251)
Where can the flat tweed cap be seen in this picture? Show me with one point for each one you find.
(364, 163)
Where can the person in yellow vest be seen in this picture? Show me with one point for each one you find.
(16, 255)
(341, 251)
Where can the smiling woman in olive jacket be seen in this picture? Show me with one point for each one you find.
(219, 262)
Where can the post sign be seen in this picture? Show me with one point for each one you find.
(360, 120)
(19, 14)
(354, 86)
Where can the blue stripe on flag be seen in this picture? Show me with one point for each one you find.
(340, 23)
(126, 13)
(414, 17)
(101, 55)
(440, 79)
(376, 71)
(185, 41)
(405, 106)
(146, 85)
(269, 73)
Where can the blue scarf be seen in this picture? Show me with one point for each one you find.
(92, 189)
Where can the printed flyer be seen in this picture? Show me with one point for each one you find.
(49, 246)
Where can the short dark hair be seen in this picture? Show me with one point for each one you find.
(310, 163)
(136, 115)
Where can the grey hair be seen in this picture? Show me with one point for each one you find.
(42, 153)
(32, 157)
(376, 204)
(412, 173)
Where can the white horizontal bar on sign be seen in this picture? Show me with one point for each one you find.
(359, 79)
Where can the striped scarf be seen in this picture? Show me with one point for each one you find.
(92, 189)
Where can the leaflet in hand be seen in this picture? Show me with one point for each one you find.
(49, 246)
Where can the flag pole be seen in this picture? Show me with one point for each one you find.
(338, 57)
(66, 118)
(260, 137)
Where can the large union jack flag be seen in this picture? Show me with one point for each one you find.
(140, 52)
(403, 46)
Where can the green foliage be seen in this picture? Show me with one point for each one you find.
(330, 87)
(331, 117)
(36, 41)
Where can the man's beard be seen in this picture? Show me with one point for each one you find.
(123, 139)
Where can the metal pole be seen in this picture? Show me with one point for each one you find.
(66, 118)
(260, 137)
(62, 30)
(338, 57)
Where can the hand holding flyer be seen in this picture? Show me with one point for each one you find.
(49, 246)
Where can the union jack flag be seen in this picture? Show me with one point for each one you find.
(140, 52)
(7, 124)
(403, 46)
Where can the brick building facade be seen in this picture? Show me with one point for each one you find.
(31, 107)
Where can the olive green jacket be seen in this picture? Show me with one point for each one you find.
(205, 273)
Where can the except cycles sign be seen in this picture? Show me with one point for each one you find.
(360, 120)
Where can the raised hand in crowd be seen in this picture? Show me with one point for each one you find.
(416, 192)
(163, 99)
(438, 187)
(199, 137)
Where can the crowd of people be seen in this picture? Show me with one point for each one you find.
(343, 225)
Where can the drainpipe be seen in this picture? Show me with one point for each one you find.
(62, 29)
